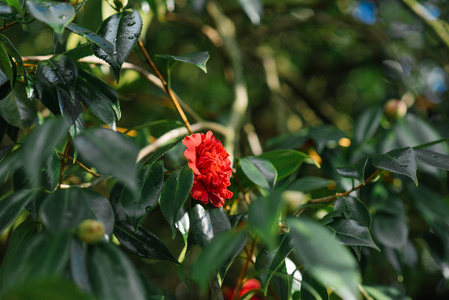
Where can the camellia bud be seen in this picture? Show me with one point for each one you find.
(395, 109)
(91, 231)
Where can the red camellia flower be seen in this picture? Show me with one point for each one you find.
(211, 166)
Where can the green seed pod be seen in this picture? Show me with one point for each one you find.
(91, 231)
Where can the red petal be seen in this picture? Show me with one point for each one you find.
(192, 142)
(216, 200)
(199, 192)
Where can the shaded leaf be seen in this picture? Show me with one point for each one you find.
(78, 266)
(384, 292)
(150, 181)
(12, 205)
(142, 242)
(112, 153)
(432, 158)
(112, 275)
(174, 194)
(367, 124)
(308, 184)
(401, 161)
(390, 230)
(356, 171)
(325, 258)
(351, 233)
(259, 171)
(353, 209)
(162, 150)
(312, 289)
(17, 110)
(122, 30)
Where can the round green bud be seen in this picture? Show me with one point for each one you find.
(91, 231)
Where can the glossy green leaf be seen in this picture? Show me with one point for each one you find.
(42, 255)
(253, 9)
(150, 181)
(72, 111)
(17, 110)
(285, 161)
(353, 209)
(122, 30)
(214, 255)
(55, 14)
(263, 217)
(114, 199)
(78, 266)
(40, 145)
(46, 289)
(112, 275)
(208, 222)
(65, 209)
(268, 262)
(198, 59)
(312, 289)
(6, 67)
(98, 97)
(325, 258)
(356, 171)
(259, 171)
(59, 72)
(5, 85)
(99, 41)
(174, 194)
(432, 158)
(308, 184)
(401, 161)
(12, 205)
(351, 233)
(112, 153)
(142, 243)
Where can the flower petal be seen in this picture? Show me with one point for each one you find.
(192, 142)
(199, 192)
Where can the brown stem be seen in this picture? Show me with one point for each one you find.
(61, 170)
(338, 195)
(64, 155)
(8, 25)
(245, 195)
(244, 269)
(166, 88)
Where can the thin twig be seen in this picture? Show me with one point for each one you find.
(244, 269)
(64, 155)
(338, 195)
(166, 87)
(61, 170)
(8, 25)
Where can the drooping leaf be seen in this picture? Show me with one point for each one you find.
(214, 255)
(432, 158)
(112, 153)
(351, 233)
(39, 146)
(112, 275)
(259, 171)
(55, 14)
(198, 59)
(253, 9)
(142, 243)
(12, 206)
(150, 181)
(325, 258)
(174, 194)
(65, 209)
(99, 97)
(269, 261)
(401, 161)
(356, 171)
(122, 30)
(285, 161)
(99, 41)
(72, 111)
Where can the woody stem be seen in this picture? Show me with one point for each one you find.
(244, 270)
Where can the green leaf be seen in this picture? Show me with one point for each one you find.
(351, 233)
(268, 262)
(401, 161)
(112, 153)
(353, 209)
(174, 194)
(58, 72)
(207, 222)
(356, 171)
(367, 124)
(137, 206)
(309, 183)
(78, 266)
(65, 209)
(380, 292)
(390, 230)
(198, 59)
(46, 289)
(16, 5)
(99, 97)
(142, 243)
(5, 85)
(112, 275)
(17, 110)
(43, 255)
(285, 161)
(99, 41)
(253, 9)
(325, 258)
(259, 171)
(263, 217)
(432, 158)
(162, 150)
(40, 145)
(55, 14)
(72, 111)
(311, 289)
(12, 205)
(122, 30)
(432, 207)
(6, 66)
(214, 255)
